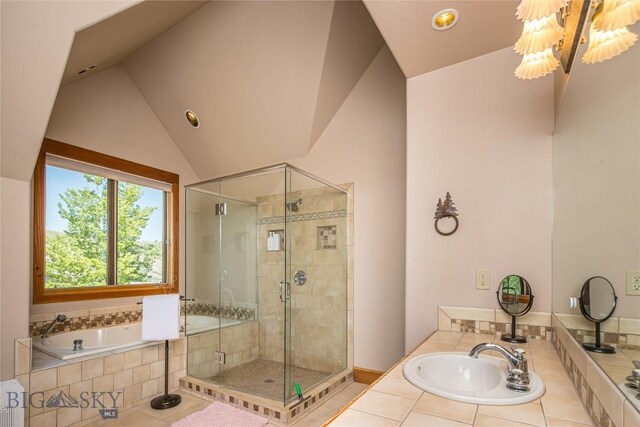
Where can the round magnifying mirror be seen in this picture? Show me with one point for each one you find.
(515, 298)
(597, 302)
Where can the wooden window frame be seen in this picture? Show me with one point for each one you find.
(42, 295)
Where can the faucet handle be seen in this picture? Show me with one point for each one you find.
(520, 352)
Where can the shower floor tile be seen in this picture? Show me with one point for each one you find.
(266, 378)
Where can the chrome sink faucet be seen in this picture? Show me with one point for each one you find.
(59, 319)
(518, 378)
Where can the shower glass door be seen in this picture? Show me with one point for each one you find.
(202, 247)
(249, 274)
(266, 262)
(316, 272)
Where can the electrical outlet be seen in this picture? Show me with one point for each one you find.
(483, 279)
(222, 357)
(633, 283)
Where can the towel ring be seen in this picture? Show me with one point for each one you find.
(446, 233)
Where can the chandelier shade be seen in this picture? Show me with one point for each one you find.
(604, 45)
(536, 65)
(539, 35)
(617, 14)
(529, 10)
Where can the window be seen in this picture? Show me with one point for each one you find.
(103, 227)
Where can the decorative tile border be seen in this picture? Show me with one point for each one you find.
(535, 325)
(617, 332)
(304, 217)
(493, 328)
(614, 339)
(87, 321)
(99, 318)
(591, 403)
(226, 311)
(276, 413)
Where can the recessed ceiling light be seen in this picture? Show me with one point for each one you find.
(192, 118)
(444, 19)
(84, 70)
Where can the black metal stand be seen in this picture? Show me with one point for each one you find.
(168, 400)
(512, 337)
(597, 347)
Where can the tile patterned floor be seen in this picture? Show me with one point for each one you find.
(144, 416)
(266, 378)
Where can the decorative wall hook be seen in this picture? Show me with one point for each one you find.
(446, 210)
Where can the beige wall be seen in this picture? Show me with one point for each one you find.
(106, 113)
(365, 144)
(36, 38)
(476, 131)
(596, 180)
(15, 267)
(45, 29)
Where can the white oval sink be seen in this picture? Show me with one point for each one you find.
(460, 377)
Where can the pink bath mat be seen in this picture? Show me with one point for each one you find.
(221, 415)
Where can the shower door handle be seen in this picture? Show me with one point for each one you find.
(287, 291)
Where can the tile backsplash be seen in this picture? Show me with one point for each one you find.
(240, 311)
(536, 325)
(617, 332)
(111, 316)
(86, 319)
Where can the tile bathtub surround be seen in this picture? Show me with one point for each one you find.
(111, 316)
(86, 319)
(240, 311)
(134, 376)
(536, 325)
(601, 396)
(617, 332)
(277, 413)
(393, 401)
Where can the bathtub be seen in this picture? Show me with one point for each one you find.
(196, 324)
(94, 341)
(103, 340)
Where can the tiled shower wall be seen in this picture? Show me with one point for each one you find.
(319, 246)
(239, 343)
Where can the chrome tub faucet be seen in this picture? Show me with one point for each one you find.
(59, 319)
(518, 378)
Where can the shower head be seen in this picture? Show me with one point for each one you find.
(293, 206)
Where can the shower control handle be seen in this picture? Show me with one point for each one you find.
(300, 278)
(286, 295)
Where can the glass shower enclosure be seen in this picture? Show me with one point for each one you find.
(266, 273)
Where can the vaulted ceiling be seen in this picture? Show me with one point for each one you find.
(483, 27)
(264, 77)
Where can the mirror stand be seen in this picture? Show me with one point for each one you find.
(597, 347)
(597, 303)
(512, 337)
(515, 299)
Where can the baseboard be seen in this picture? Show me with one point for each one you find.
(365, 376)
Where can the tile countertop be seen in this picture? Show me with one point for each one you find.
(393, 401)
